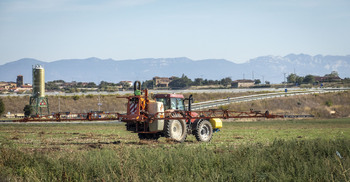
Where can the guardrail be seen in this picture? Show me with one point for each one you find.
(221, 102)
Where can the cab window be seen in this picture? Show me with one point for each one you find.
(177, 103)
(180, 104)
(173, 103)
(165, 102)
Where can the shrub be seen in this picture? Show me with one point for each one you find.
(76, 97)
(28, 110)
(89, 96)
(225, 107)
(329, 103)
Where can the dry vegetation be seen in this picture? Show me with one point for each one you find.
(87, 103)
(75, 104)
(321, 105)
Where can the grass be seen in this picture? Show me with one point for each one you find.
(270, 150)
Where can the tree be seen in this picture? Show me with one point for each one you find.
(257, 81)
(333, 74)
(52, 86)
(346, 80)
(292, 78)
(2, 107)
(91, 85)
(103, 85)
(226, 81)
(198, 81)
(58, 81)
(147, 84)
(213, 82)
(126, 85)
(182, 82)
(309, 79)
(299, 80)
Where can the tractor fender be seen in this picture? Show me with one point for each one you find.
(195, 124)
(193, 114)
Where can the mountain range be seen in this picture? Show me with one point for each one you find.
(265, 68)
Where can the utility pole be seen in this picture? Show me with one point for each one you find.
(263, 79)
(284, 77)
(253, 75)
(99, 103)
(59, 104)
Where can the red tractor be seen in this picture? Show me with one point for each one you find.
(166, 116)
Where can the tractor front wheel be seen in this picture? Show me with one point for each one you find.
(204, 132)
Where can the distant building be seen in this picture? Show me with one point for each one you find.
(162, 81)
(242, 83)
(24, 88)
(19, 80)
(8, 85)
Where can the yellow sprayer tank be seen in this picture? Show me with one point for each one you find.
(216, 123)
(38, 81)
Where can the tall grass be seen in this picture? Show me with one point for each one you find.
(305, 160)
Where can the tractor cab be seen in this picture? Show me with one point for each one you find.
(171, 101)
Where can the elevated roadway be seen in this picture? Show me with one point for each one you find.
(248, 98)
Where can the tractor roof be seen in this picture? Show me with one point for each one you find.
(169, 96)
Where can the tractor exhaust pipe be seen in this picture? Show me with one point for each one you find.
(190, 100)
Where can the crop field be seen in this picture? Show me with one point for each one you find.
(266, 150)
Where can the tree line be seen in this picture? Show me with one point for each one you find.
(185, 82)
(60, 85)
(308, 79)
(176, 83)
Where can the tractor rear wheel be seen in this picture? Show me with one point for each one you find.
(204, 132)
(176, 129)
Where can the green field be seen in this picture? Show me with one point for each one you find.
(269, 150)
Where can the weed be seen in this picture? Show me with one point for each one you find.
(225, 107)
(89, 96)
(76, 97)
(328, 103)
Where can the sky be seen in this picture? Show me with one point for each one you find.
(50, 30)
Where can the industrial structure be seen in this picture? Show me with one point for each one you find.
(38, 101)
